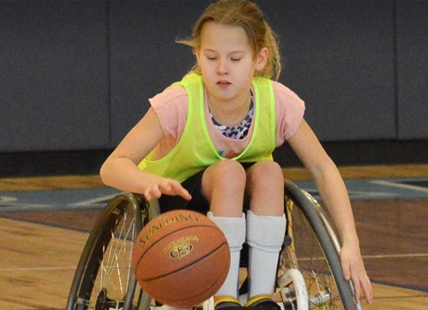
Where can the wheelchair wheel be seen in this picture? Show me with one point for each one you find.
(314, 251)
(104, 278)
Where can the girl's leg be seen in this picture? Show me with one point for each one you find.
(223, 184)
(265, 187)
(265, 228)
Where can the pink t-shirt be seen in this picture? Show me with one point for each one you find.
(171, 108)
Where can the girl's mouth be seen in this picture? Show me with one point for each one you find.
(223, 83)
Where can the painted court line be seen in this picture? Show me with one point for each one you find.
(395, 255)
(37, 269)
(401, 185)
(359, 189)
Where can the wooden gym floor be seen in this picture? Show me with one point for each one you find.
(39, 250)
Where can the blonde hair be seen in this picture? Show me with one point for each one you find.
(247, 15)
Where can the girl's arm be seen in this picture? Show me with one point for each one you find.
(121, 171)
(335, 196)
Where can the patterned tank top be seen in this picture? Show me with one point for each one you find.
(239, 131)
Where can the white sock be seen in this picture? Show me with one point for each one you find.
(265, 236)
(234, 230)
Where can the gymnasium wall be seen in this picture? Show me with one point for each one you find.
(75, 76)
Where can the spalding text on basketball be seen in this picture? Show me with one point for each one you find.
(163, 222)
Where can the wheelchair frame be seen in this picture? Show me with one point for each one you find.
(309, 272)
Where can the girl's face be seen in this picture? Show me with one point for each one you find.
(227, 62)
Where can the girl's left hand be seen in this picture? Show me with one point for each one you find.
(353, 269)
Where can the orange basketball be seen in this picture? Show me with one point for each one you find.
(181, 258)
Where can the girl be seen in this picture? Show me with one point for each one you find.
(206, 144)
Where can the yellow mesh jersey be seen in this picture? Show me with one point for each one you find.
(195, 151)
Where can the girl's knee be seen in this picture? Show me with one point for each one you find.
(266, 171)
(224, 186)
(224, 176)
(228, 170)
(265, 186)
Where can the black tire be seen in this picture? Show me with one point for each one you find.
(314, 251)
(102, 279)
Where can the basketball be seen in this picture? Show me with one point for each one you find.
(181, 258)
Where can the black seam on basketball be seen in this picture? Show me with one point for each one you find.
(187, 266)
(172, 232)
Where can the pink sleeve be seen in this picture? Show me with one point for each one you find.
(171, 108)
(289, 112)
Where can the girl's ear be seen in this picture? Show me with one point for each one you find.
(196, 51)
(261, 58)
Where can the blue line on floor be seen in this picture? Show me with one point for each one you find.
(72, 199)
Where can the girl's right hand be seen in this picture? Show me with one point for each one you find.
(166, 186)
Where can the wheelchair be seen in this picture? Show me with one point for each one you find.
(309, 270)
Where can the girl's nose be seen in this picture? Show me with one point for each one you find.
(222, 68)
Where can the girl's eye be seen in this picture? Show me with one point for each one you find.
(211, 58)
(236, 59)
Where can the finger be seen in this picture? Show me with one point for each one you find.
(368, 293)
(165, 188)
(153, 192)
(185, 194)
(172, 186)
(179, 190)
(362, 285)
(357, 289)
(147, 195)
(346, 269)
(157, 192)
